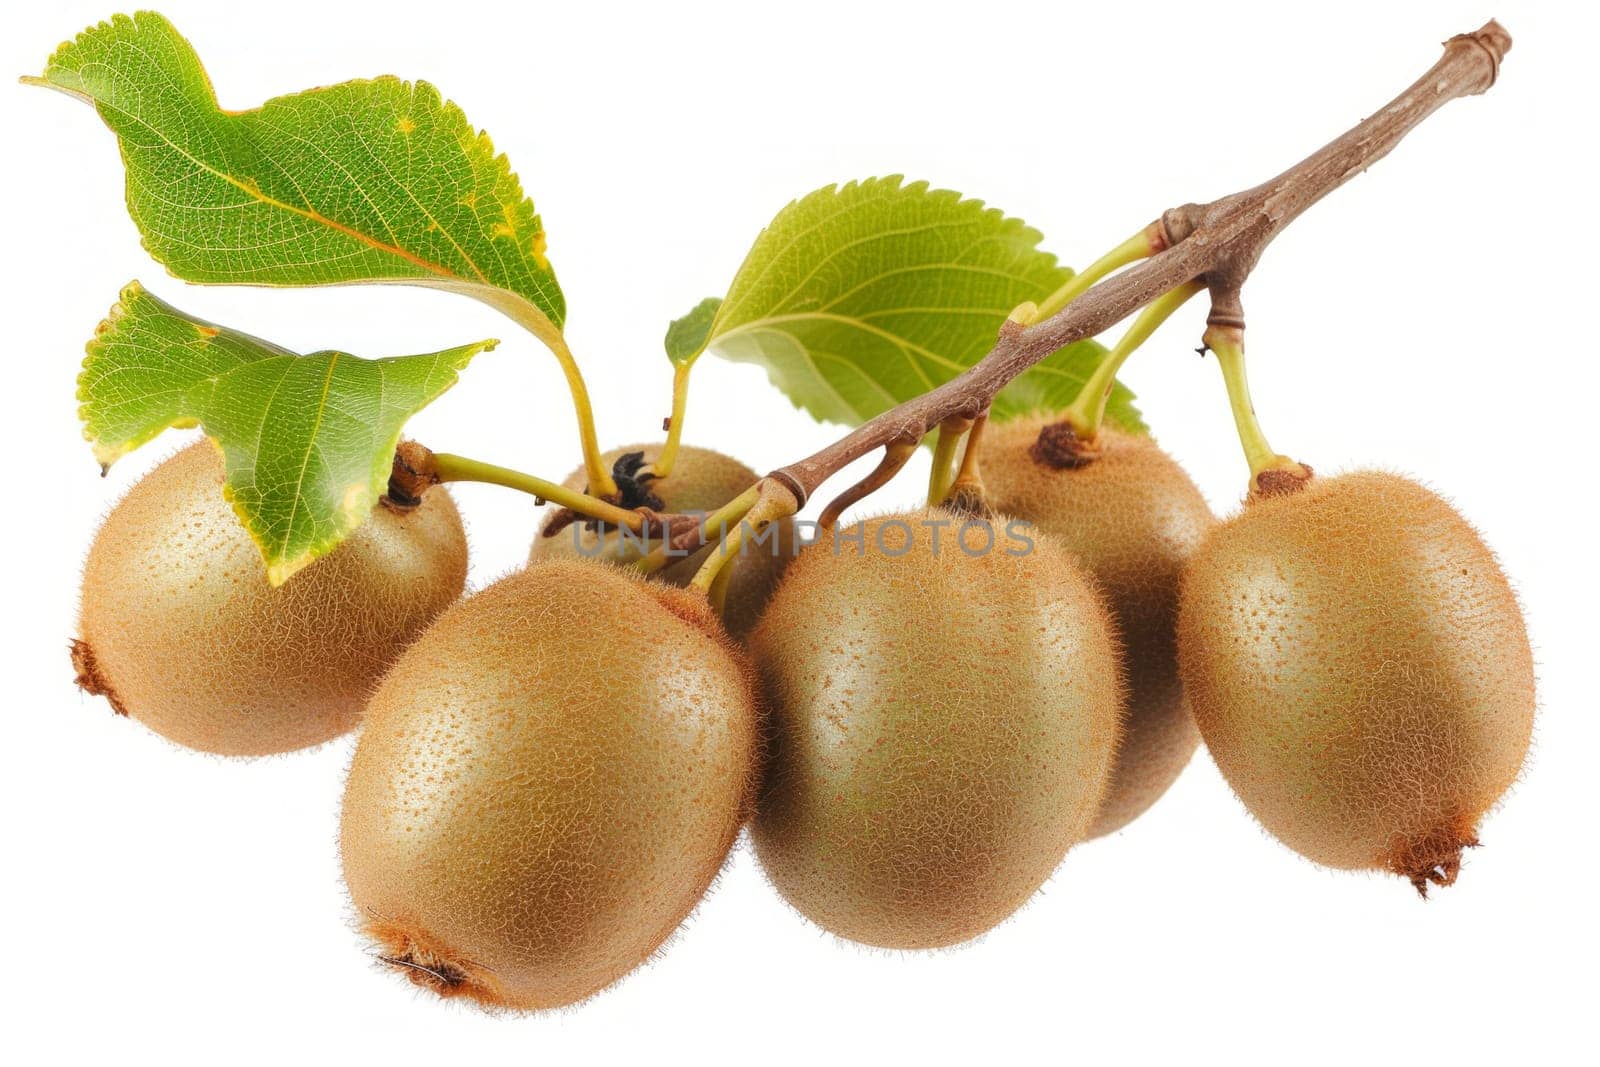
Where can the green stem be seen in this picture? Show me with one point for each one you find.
(1088, 411)
(600, 480)
(967, 476)
(537, 323)
(713, 524)
(452, 468)
(680, 403)
(769, 507)
(940, 478)
(1147, 242)
(1228, 344)
(717, 593)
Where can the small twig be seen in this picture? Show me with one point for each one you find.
(895, 455)
(1218, 243)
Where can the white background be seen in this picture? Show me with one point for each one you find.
(1432, 317)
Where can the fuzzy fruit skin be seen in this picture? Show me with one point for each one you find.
(547, 783)
(1132, 518)
(942, 730)
(1361, 672)
(180, 629)
(702, 480)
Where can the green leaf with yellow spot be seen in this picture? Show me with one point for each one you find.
(308, 441)
(378, 180)
(860, 297)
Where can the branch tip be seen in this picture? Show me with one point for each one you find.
(1495, 42)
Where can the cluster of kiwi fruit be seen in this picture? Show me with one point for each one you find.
(551, 771)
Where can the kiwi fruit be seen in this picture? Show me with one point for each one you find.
(546, 784)
(943, 724)
(1361, 673)
(180, 630)
(702, 480)
(1131, 517)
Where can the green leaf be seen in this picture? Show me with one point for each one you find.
(687, 337)
(860, 297)
(307, 441)
(367, 181)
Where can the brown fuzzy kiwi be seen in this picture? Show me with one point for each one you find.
(702, 480)
(179, 629)
(943, 728)
(546, 784)
(1132, 517)
(1361, 672)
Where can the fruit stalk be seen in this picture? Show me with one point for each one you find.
(966, 491)
(1217, 243)
(952, 432)
(416, 468)
(1270, 471)
(453, 468)
(1088, 411)
(734, 511)
(772, 504)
